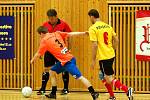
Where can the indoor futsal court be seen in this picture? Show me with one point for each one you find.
(74, 49)
(16, 95)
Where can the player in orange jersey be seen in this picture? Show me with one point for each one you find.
(55, 45)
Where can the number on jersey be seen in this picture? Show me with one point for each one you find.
(105, 35)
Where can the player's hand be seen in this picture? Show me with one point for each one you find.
(114, 47)
(31, 61)
(87, 33)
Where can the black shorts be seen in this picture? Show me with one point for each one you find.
(49, 59)
(106, 66)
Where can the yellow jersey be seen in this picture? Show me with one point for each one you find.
(103, 33)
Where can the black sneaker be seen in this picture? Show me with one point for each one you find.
(64, 92)
(112, 98)
(130, 94)
(95, 95)
(53, 96)
(40, 92)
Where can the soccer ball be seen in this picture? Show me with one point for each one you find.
(26, 91)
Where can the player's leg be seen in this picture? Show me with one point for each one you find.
(45, 78)
(119, 85)
(74, 71)
(110, 80)
(88, 86)
(49, 60)
(54, 85)
(57, 68)
(65, 76)
(108, 86)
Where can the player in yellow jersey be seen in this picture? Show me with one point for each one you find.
(104, 42)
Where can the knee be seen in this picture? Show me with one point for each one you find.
(46, 69)
(101, 75)
(45, 76)
(52, 73)
(80, 78)
(65, 74)
(108, 79)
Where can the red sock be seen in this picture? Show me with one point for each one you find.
(117, 84)
(109, 88)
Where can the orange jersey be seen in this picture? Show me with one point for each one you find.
(54, 43)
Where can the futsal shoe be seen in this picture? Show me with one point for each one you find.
(40, 92)
(112, 98)
(51, 95)
(64, 92)
(95, 96)
(130, 94)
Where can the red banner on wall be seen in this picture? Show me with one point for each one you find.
(143, 35)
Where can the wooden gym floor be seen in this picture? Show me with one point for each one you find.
(16, 95)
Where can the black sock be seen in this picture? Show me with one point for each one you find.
(45, 78)
(65, 76)
(54, 89)
(91, 90)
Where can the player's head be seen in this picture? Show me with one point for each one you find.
(42, 31)
(93, 14)
(52, 16)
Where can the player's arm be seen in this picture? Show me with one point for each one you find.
(37, 55)
(68, 34)
(94, 52)
(67, 28)
(40, 51)
(77, 33)
(94, 40)
(115, 41)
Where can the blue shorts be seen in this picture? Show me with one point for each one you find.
(70, 67)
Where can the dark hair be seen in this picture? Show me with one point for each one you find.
(51, 13)
(93, 12)
(42, 29)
